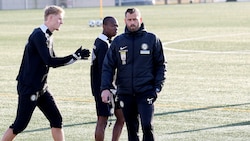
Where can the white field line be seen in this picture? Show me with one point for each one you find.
(204, 51)
(187, 51)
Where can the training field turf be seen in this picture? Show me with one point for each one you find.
(206, 96)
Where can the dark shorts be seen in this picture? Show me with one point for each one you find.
(27, 102)
(103, 109)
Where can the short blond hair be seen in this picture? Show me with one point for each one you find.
(52, 9)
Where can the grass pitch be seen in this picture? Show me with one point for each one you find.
(206, 94)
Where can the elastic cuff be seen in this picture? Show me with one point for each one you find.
(75, 57)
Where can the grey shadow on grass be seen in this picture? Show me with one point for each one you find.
(245, 123)
(166, 113)
(200, 109)
(216, 127)
(65, 126)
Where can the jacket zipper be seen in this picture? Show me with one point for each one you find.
(133, 52)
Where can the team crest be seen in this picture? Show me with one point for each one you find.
(144, 49)
(144, 46)
(33, 97)
(121, 104)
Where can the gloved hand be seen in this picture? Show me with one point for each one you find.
(81, 54)
(77, 54)
(85, 53)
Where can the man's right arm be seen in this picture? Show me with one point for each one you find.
(108, 69)
(106, 96)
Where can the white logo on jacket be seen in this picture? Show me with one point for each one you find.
(144, 49)
(123, 54)
(150, 100)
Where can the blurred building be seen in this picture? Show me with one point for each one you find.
(134, 2)
(38, 4)
(33, 4)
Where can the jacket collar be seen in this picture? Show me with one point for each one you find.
(104, 38)
(45, 29)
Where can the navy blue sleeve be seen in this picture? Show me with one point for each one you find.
(160, 65)
(98, 54)
(108, 68)
(40, 42)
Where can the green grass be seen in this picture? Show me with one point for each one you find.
(206, 94)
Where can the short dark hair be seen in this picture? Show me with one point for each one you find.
(132, 10)
(107, 19)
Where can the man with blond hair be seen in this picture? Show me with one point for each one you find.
(32, 87)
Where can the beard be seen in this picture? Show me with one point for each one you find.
(133, 28)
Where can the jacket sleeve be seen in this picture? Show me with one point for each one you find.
(159, 65)
(48, 55)
(108, 69)
(98, 54)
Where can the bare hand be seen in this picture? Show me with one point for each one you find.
(106, 96)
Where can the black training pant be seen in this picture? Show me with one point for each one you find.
(27, 103)
(135, 108)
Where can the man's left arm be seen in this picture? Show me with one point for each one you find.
(160, 65)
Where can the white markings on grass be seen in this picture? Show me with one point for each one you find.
(204, 51)
(209, 52)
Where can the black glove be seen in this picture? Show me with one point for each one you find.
(85, 53)
(77, 54)
(81, 54)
